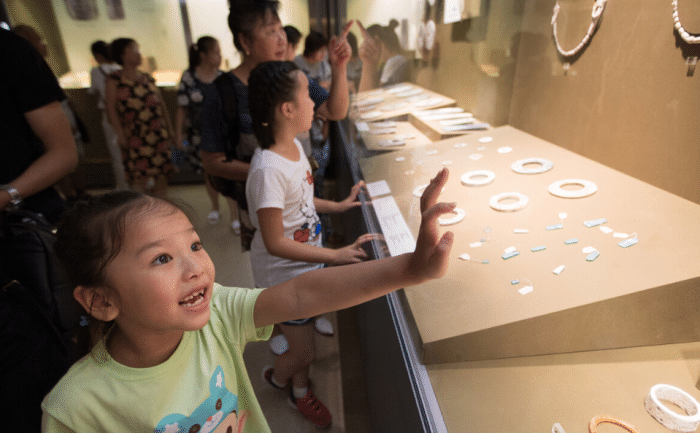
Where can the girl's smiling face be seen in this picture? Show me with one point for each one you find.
(161, 280)
(269, 41)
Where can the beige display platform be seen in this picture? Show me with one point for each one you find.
(643, 295)
(388, 98)
(373, 141)
(433, 129)
(531, 394)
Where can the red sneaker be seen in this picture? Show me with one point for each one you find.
(312, 409)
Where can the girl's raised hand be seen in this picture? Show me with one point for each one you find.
(354, 253)
(339, 50)
(430, 259)
(350, 202)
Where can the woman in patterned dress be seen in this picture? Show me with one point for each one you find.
(138, 115)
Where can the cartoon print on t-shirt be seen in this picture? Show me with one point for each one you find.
(218, 413)
(311, 229)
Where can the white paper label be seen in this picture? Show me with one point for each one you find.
(397, 235)
(379, 188)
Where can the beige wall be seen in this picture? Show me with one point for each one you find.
(155, 24)
(625, 102)
(40, 15)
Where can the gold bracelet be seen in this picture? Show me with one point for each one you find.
(603, 419)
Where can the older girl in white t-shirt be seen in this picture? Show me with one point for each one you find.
(280, 194)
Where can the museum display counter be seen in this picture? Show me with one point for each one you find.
(391, 135)
(555, 309)
(395, 102)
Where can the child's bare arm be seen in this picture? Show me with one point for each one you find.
(336, 288)
(272, 231)
(328, 206)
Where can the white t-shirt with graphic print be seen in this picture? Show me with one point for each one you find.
(277, 182)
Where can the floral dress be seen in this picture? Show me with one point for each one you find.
(141, 114)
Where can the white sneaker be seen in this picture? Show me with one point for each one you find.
(323, 326)
(279, 344)
(214, 217)
(236, 227)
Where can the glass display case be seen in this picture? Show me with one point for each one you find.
(573, 281)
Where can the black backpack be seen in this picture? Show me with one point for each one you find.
(39, 319)
(27, 256)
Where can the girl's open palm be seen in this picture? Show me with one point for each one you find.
(430, 259)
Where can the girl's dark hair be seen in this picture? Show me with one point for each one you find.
(117, 48)
(314, 41)
(91, 233)
(269, 85)
(101, 48)
(244, 14)
(293, 34)
(203, 46)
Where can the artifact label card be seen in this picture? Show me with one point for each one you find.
(397, 235)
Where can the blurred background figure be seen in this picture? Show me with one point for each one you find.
(73, 185)
(313, 61)
(196, 95)
(383, 60)
(354, 65)
(98, 78)
(139, 118)
(293, 39)
(33, 37)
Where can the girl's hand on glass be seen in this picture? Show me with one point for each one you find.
(354, 253)
(350, 202)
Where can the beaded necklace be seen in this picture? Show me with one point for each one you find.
(681, 31)
(596, 15)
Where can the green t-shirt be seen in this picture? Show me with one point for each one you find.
(204, 382)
